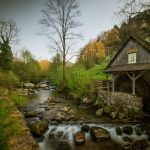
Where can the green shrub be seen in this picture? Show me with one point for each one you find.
(18, 99)
(55, 76)
(27, 72)
(79, 82)
(8, 79)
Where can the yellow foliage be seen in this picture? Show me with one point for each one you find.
(94, 50)
(44, 65)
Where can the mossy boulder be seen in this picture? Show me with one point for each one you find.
(79, 137)
(31, 114)
(85, 128)
(118, 131)
(99, 134)
(127, 130)
(38, 128)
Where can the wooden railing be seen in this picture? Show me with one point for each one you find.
(105, 85)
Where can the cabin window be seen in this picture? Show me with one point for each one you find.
(131, 58)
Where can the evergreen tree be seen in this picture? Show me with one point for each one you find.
(6, 56)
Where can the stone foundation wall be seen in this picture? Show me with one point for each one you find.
(119, 105)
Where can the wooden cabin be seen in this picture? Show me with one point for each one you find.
(130, 69)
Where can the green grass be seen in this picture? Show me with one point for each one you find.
(18, 99)
(3, 137)
(97, 72)
(11, 123)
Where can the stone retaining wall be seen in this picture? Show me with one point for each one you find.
(119, 105)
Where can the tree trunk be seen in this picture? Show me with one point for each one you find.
(64, 69)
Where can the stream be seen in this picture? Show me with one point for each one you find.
(60, 135)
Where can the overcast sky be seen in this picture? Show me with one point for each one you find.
(96, 16)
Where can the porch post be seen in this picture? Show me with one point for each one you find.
(133, 83)
(134, 78)
(113, 82)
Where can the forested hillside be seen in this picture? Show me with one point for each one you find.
(108, 42)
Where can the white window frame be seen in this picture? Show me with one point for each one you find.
(132, 58)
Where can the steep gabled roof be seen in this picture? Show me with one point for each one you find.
(144, 44)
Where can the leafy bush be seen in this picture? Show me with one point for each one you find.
(8, 79)
(79, 82)
(55, 76)
(27, 72)
(18, 99)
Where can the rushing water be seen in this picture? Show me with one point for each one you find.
(61, 136)
(62, 133)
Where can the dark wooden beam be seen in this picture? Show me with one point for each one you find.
(133, 78)
(114, 76)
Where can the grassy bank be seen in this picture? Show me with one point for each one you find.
(97, 72)
(14, 135)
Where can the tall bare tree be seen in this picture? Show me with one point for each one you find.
(60, 18)
(130, 8)
(8, 31)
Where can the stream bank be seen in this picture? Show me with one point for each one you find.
(17, 135)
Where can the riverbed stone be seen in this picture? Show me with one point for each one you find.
(139, 144)
(127, 139)
(65, 109)
(79, 137)
(40, 115)
(86, 101)
(43, 85)
(28, 85)
(62, 145)
(136, 145)
(99, 134)
(85, 128)
(60, 116)
(145, 127)
(118, 131)
(31, 114)
(59, 134)
(137, 131)
(127, 130)
(127, 147)
(39, 127)
(50, 99)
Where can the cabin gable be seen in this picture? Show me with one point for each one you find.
(131, 53)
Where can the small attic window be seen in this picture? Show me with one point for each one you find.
(131, 58)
